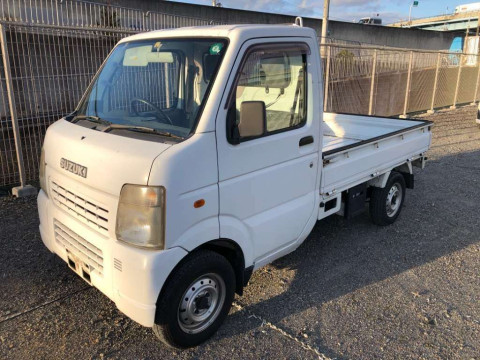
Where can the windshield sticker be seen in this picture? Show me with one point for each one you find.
(216, 48)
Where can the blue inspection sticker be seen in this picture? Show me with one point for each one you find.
(216, 48)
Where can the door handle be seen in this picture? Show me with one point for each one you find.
(306, 140)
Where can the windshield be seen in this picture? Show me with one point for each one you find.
(156, 84)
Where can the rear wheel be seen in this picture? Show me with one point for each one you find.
(386, 204)
(195, 300)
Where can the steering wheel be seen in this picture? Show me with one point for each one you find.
(153, 106)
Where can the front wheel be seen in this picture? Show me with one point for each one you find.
(386, 203)
(195, 300)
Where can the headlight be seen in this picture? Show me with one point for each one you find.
(141, 216)
(41, 172)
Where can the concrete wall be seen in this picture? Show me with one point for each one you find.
(377, 35)
(388, 36)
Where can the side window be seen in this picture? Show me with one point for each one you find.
(272, 83)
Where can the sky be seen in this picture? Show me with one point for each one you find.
(345, 10)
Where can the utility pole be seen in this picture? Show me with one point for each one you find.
(467, 34)
(478, 25)
(413, 4)
(326, 12)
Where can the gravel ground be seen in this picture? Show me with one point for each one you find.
(352, 290)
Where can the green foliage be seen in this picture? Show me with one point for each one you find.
(345, 55)
(109, 18)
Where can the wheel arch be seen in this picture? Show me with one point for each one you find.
(406, 170)
(234, 254)
(228, 248)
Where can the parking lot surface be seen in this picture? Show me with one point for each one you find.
(351, 291)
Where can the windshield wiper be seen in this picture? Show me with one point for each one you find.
(144, 129)
(95, 119)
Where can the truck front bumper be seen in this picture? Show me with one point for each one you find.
(129, 276)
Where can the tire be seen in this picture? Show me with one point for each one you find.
(195, 300)
(386, 204)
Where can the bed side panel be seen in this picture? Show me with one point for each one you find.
(363, 162)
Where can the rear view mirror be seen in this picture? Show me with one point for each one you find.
(143, 55)
(252, 119)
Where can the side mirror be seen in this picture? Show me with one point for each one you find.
(252, 119)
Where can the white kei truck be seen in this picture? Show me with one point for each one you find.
(198, 155)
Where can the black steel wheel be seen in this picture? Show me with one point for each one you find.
(386, 204)
(195, 300)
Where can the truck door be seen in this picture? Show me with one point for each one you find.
(268, 170)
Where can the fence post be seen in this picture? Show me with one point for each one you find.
(478, 81)
(372, 83)
(407, 91)
(327, 78)
(435, 84)
(22, 190)
(457, 87)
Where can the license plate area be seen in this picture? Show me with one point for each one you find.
(82, 269)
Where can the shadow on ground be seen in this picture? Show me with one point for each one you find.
(440, 217)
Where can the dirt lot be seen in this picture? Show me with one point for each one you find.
(352, 290)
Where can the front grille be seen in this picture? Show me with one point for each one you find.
(88, 253)
(84, 210)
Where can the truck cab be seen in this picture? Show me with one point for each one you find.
(199, 155)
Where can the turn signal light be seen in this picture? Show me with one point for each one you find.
(199, 203)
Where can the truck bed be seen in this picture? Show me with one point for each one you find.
(356, 148)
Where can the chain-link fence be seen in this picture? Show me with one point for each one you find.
(86, 14)
(49, 70)
(392, 82)
(51, 49)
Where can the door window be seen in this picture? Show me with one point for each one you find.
(274, 77)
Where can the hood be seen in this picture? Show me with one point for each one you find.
(103, 161)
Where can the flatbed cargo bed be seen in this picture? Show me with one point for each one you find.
(356, 148)
(345, 131)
